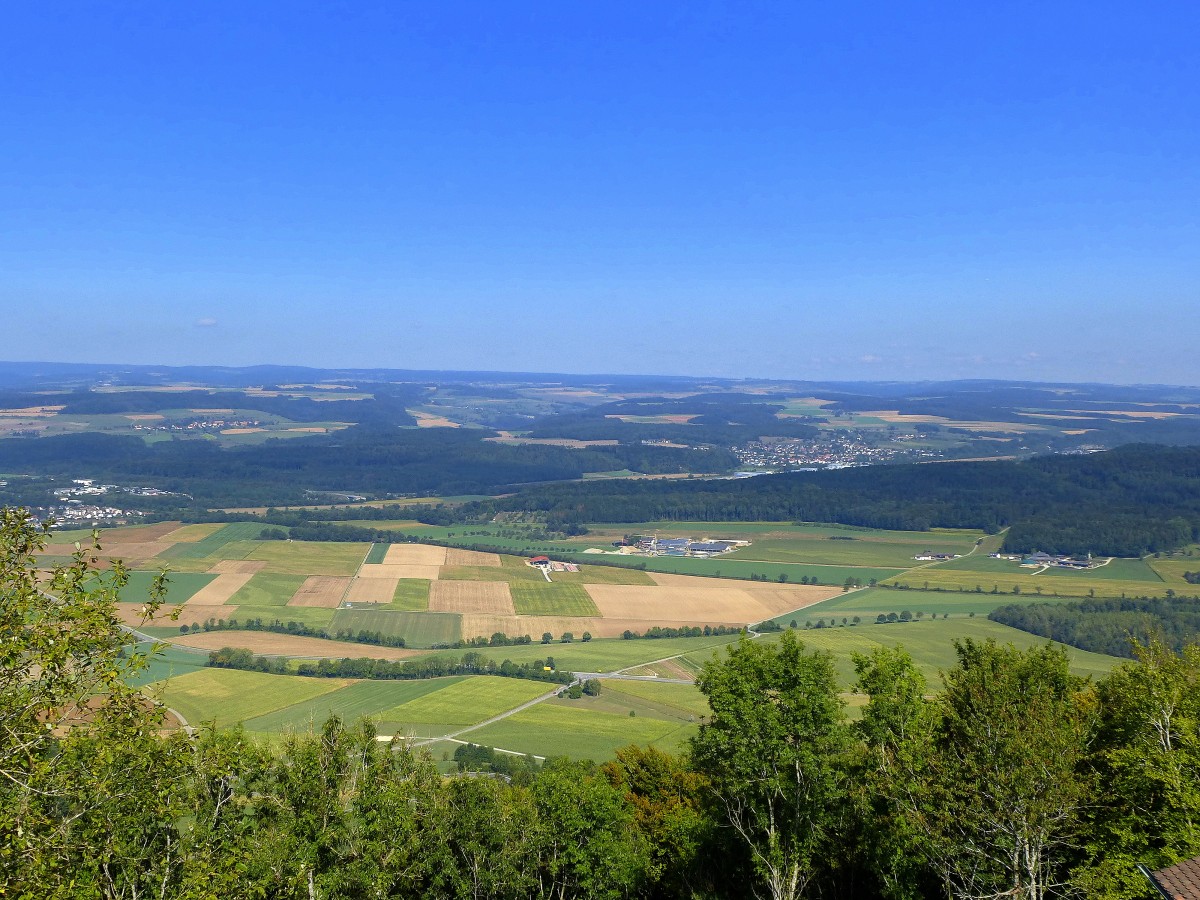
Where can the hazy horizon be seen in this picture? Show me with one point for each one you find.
(893, 192)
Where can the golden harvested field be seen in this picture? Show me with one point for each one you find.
(190, 534)
(217, 591)
(372, 590)
(697, 605)
(455, 557)
(238, 567)
(489, 597)
(269, 643)
(325, 591)
(385, 570)
(415, 555)
(483, 625)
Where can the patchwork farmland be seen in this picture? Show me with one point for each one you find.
(434, 597)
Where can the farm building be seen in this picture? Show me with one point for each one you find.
(542, 562)
(710, 547)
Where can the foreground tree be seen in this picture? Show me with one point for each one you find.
(1147, 757)
(1002, 797)
(81, 763)
(772, 750)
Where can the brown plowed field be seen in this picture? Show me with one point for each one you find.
(238, 567)
(190, 534)
(415, 555)
(455, 557)
(320, 590)
(488, 597)
(386, 570)
(372, 590)
(133, 552)
(138, 534)
(131, 614)
(271, 644)
(219, 590)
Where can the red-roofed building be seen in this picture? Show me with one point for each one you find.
(1178, 882)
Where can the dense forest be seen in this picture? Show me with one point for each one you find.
(1127, 502)
(1016, 779)
(1114, 627)
(363, 459)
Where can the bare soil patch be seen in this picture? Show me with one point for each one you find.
(321, 590)
(415, 555)
(271, 644)
(384, 570)
(238, 567)
(372, 590)
(489, 597)
(219, 590)
(455, 557)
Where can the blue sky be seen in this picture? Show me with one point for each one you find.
(793, 190)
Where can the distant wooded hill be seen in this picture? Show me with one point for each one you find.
(1108, 626)
(1130, 501)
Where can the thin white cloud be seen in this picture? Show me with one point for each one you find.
(206, 322)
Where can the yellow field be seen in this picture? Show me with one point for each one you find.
(238, 567)
(372, 590)
(386, 570)
(199, 613)
(488, 597)
(190, 534)
(325, 591)
(219, 590)
(415, 555)
(1029, 584)
(703, 602)
(484, 625)
(456, 557)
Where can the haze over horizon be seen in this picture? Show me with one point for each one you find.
(884, 192)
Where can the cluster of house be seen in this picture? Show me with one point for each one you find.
(929, 554)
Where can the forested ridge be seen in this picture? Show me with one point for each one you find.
(363, 460)
(1111, 626)
(1016, 780)
(1126, 502)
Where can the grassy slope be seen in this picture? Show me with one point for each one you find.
(466, 702)
(419, 629)
(411, 595)
(362, 698)
(228, 696)
(545, 599)
(267, 590)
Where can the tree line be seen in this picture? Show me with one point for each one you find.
(1114, 627)
(424, 667)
